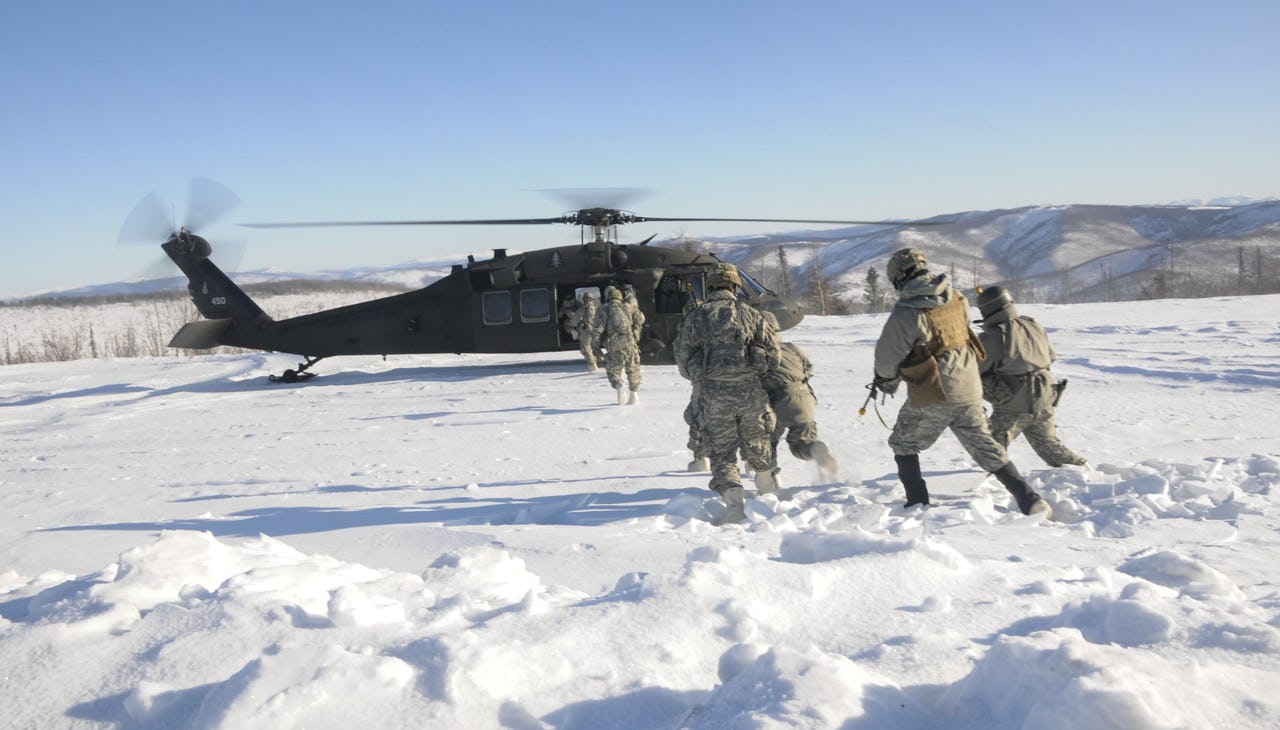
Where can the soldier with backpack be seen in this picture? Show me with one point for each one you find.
(927, 342)
(725, 348)
(619, 327)
(1016, 378)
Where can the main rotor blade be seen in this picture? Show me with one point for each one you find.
(646, 219)
(486, 222)
(207, 201)
(586, 216)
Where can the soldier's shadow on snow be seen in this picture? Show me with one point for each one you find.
(584, 509)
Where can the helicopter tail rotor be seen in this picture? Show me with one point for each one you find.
(153, 221)
(150, 220)
(207, 202)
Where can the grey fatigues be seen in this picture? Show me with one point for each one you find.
(589, 332)
(618, 331)
(1017, 381)
(793, 401)
(918, 428)
(696, 445)
(724, 347)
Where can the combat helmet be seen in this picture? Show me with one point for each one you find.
(611, 293)
(904, 264)
(992, 299)
(723, 276)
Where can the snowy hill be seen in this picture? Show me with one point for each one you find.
(486, 541)
(1046, 253)
(1051, 253)
(411, 275)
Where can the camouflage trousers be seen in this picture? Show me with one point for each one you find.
(735, 416)
(589, 346)
(1040, 432)
(696, 446)
(918, 428)
(618, 360)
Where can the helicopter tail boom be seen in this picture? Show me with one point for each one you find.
(231, 316)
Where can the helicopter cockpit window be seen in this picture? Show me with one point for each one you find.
(674, 292)
(497, 307)
(535, 305)
(748, 283)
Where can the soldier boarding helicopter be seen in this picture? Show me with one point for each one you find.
(509, 303)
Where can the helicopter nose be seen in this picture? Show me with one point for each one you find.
(787, 312)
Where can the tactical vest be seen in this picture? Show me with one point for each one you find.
(950, 324)
(725, 347)
(950, 331)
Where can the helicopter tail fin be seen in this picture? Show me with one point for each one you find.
(225, 307)
(202, 334)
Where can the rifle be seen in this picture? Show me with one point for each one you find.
(872, 389)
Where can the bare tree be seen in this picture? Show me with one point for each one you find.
(817, 292)
(784, 273)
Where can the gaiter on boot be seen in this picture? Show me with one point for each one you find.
(912, 479)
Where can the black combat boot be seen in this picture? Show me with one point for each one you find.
(912, 479)
(1028, 501)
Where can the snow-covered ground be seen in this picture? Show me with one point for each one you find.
(487, 541)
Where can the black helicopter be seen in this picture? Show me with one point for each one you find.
(510, 303)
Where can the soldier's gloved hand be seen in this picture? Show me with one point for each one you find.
(888, 386)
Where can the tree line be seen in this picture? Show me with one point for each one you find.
(1256, 272)
(61, 328)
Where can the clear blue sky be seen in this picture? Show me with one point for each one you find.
(394, 110)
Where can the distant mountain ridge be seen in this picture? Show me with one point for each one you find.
(1046, 253)
(1050, 253)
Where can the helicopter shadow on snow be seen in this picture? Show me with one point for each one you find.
(237, 382)
(584, 509)
(440, 373)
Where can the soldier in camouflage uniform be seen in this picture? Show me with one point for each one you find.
(795, 406)
(1016, 378)
(618, 334)
(629, 298)
(927, 342)
(701, 461)
(726, 347)
(589, 331)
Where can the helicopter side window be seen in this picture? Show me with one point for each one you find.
(535, 305)
(496, 306)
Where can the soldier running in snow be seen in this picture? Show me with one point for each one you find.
(795, 406)
(927, 342)
(697, 446)
(726, 347)
(629, 298)
(619, 327)
(1016, 378)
